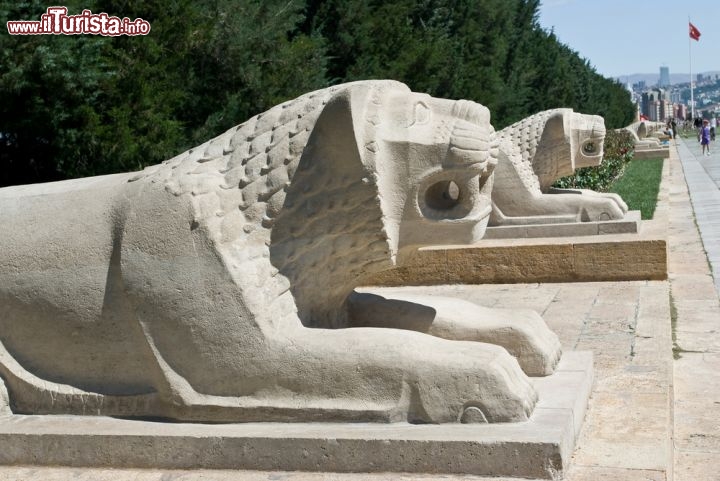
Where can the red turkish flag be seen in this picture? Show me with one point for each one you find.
(694, 32)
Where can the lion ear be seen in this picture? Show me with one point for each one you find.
(330, 171)
(336, 136)
(554, 131)
(553, 157)
(341, 165)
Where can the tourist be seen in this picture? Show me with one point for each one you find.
(668, 130)
(705, 138)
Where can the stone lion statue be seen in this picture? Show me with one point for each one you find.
(536, 152)
(218, 285)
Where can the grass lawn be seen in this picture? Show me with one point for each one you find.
(639, 185)
(688, 133)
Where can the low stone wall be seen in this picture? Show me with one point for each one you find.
(624, 258)
(645, 154)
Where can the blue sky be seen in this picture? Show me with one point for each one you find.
(623, 37)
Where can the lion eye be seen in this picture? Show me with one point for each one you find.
(589, 148)
(422, 114)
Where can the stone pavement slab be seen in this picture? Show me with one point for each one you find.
(696, 326)
(702, 175)
(94, 474)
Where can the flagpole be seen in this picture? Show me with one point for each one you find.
(692, 93)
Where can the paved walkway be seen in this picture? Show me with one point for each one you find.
(702, 175)
(650, 417)
(696, 310)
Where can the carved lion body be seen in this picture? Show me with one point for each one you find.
(197, 289)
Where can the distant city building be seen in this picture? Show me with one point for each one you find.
(680, 111)
(655, 105)
(664, 77)
(645, 102)
(666, 110)
(661, 104)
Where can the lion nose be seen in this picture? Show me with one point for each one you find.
(469, 143)
(471, 112)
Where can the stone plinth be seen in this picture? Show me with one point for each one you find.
(627, 225)
(645, 154)
(538, 448)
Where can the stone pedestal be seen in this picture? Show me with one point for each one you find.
(538, 448)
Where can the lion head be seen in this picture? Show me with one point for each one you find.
(553, 143)
(385, 170)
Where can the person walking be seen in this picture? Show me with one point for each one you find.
(705, 137)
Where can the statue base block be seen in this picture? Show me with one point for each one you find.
(538, 448)
(629, 225)
(645, 154)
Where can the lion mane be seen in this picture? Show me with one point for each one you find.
(239, 183)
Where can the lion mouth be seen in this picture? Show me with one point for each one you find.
(459, 190)
(451, 201)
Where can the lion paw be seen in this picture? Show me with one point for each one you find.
(521, 331)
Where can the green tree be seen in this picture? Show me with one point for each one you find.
(86, 105)
(49, 89)
(490, 51)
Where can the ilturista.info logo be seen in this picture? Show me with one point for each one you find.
(56, 21)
